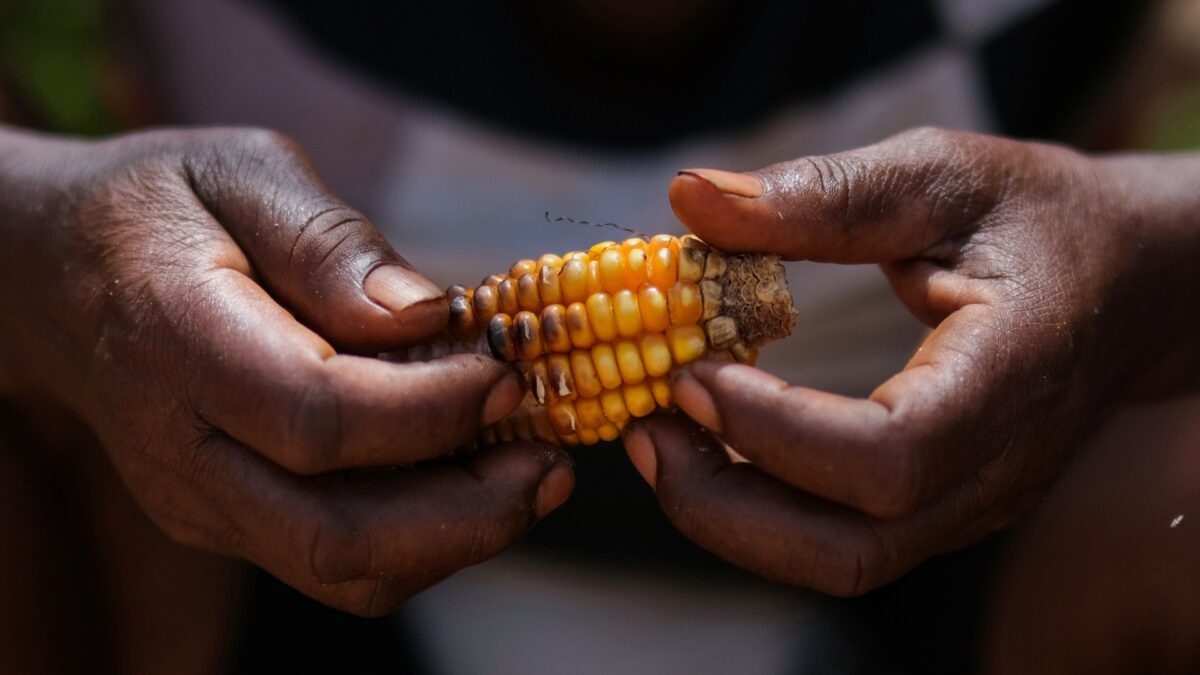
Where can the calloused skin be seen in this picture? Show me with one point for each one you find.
(197, 298)
(1056, 285)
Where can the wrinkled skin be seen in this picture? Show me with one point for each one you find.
(197, 297)
(1055, 284)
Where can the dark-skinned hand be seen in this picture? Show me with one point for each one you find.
(1056, 285)
(198, 297)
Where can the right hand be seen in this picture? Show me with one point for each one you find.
(196, 296)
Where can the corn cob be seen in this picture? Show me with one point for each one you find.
(598, 334)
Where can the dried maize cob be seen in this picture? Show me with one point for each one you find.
(598, 334)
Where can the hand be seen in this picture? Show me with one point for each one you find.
(196, 297)
(1055, 284)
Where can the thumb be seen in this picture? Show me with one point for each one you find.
(324, 261)
(886, 202)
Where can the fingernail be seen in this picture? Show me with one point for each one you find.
(694, 399)
(640, 448)
(395, 288)
(740, 184)
(554, 489)
(504, 397)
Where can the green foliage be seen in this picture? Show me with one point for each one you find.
(1177, 126)
(54, 53)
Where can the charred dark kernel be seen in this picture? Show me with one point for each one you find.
(554, 328)
(462, 317)
(500, 337)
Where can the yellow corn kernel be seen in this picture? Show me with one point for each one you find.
(594, 284)
(562, 382)
(564, 418)
(629, 362)
(662, 266)
(612, 269)
(579, 327)
(635, 267)
(653, 305)
(687, 343)
(506, 293)
(597, 249)
(629, 317)
(527, 293)
(523, 267)
(575, 255)
(492, 280)
(613, 404)
(588, 437)
(608, 432)
(684, 303)
(539, 382)
(632, 243)
(572, 279)
(660, 241)
(549, 260)
(600, 316)
(656, 355)
(660, 388)
(591, 415)
(486, 304)
(549, 285)
(554, 328)
(587, 381)
(638, 399)
(605, 361)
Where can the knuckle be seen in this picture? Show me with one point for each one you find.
(313, 431)
(337, 551)
(860, 566)
(332, 235)
(370, 599)
(898, 488)
(259, 141)
(930, 139)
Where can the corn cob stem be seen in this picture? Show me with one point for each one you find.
(598, 334)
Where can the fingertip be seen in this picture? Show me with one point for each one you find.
(639, 446)
(721, 214)
(503, 398)
(694, 399)
(557, 485)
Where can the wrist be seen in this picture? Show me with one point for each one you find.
(35, 333)
(1158, 198)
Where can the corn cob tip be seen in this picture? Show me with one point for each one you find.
(756, 297)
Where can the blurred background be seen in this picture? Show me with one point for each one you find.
(460, 183)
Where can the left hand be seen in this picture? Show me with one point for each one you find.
(1056, 285)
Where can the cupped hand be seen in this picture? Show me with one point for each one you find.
(1055, 284)
(198, 297)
